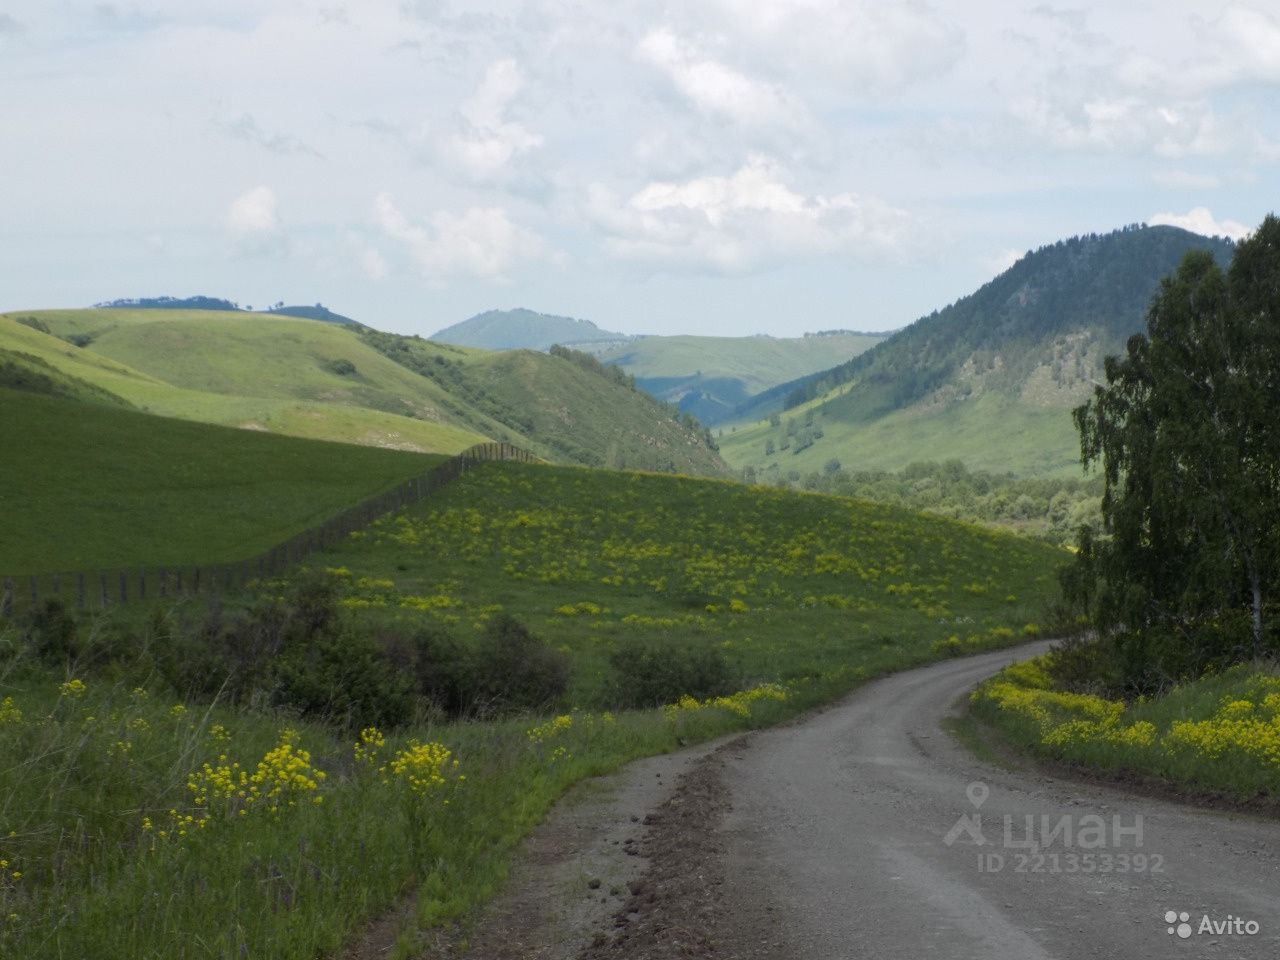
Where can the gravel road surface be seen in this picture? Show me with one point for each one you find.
(847, 831)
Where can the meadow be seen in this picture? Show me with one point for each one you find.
(84, 486)
(141, 820)
(1218, 733)
(990, 433)
(792, 585)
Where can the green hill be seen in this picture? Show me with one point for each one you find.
(565, 407)
(989, 380)
(84, 485)
(521, 329)
(331, 381)
(712, 377)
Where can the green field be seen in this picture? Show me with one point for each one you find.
(988, 433)
(119, 841)
(86, 486)
(794, 585)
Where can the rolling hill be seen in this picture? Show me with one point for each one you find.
(522, 329)
(989, 380)
(294, 376)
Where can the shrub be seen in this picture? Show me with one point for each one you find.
(343, 368)
(652, 674)
(51, 634)
(346, 679)
(511, 669)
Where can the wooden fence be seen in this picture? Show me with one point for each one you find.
(98, 589)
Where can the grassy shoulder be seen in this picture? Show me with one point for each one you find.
(173, 776)
(1218, 734)
(88, 486)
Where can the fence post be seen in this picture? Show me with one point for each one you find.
(6, 601)
(82, 599)
(124, 587)
(106, 596)
(35, 592)
(142, 584)
(164, 586)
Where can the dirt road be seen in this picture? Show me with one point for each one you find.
(865, 830)
(847, 831)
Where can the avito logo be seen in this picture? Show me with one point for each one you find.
(1179, 925)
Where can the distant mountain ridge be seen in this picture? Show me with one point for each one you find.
(990, 379)
(522, 329)
(714, 377)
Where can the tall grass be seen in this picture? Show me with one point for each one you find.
(1220, 732)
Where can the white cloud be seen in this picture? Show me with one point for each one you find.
(1240, 46)
(481, 242)
(1120, 122)
(1200, 220)
(487, 141)
(1186, 180)
(869, 45)
(374, 265)
(714, 87)
(748, 219)
(254, 213)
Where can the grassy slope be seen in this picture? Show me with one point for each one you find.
(826, 582)
(585, 423)
(829, 592)
(990, 433)
(559, 409)
(247, 370)
(83, 485)
(275, 373)
(757, 362)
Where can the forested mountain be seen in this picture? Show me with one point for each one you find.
(989, 379)
(1058, 311)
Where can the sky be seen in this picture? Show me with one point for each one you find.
(727, 167)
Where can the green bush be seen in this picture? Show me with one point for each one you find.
(511, 669)
(651, 674)
(344, 678)
(342, 367)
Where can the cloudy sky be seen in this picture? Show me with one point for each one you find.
(726, 166)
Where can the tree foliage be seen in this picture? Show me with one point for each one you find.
(1186, 436)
